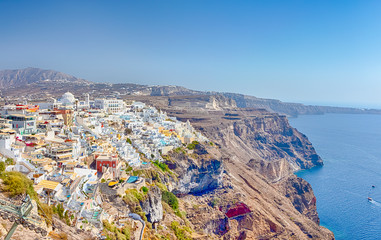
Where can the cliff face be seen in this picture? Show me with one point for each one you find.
(152, 205)
(292, 109)
(272, 170)
(301, 195)
(260, 152)
(266, 143)
(197, 172)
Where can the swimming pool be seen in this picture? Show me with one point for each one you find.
(132, 179)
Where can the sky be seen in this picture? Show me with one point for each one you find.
(314, 52)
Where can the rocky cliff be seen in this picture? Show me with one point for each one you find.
(259, 152)
(152, 206)
(301, 195)
(199, 171)
(263, 141)
(292, 109)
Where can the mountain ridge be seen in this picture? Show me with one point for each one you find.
(45, 83)
(30, 75)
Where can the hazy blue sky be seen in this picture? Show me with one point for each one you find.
(303, 51)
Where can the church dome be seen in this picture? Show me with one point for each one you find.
(67, 98)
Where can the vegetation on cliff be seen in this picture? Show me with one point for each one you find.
(16, 183)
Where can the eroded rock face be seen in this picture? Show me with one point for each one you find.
(273, 136)
(196, 175)
(265, 142)
(152, 205)
(273, 170)
(200, 178)
(260, 152)
(300, 192)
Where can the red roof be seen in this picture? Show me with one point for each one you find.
(238, 210)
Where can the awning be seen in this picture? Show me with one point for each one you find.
(49, 185)
(64, 156)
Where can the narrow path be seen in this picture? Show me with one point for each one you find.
(138, 218)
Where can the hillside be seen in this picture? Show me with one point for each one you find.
(26, 76)
(259, 152)
(238, 185)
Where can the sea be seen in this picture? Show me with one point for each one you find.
(350, 146)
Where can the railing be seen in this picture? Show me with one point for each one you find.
(21, 214)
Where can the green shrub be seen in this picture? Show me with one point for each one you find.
(109, 226)
(128, 169)
(2, 166)
(164, 167)
(58, 209)
(144, 189)
(103, 180)
(15, 183)
(135, 193)
(180, 214)
(142, 215)
(46, 212)
(179, 150)
(132, 199)
(182, 233)
(127, 231)
(161, 186)
(120, 236)
(137, 172)
(192, 145)
(170, 199)
(9, 161)
(112, 232)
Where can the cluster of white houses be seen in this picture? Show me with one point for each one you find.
(69, 148)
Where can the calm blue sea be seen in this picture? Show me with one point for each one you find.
(350, 146)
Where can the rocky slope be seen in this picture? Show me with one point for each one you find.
(197, 172)
(301, 195)
(261, 140)
(208, 184)
(259, 151)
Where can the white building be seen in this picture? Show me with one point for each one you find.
(23, 124)
(110, 105)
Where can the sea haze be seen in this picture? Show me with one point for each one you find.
(350, 146)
